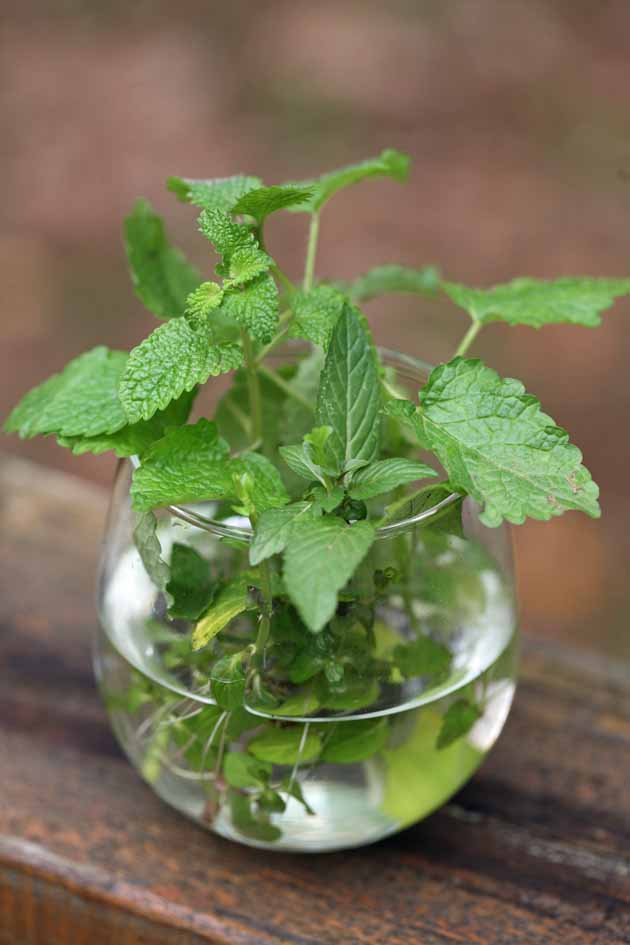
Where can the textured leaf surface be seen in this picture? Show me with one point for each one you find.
(218, 194)
(242, 257)
(229, 603)
(274, 528)
(82, 400)
(254, 307)
(385, 475)
(535, 302)
(265, 487)
(161, 275)
(188, 464)
(349, 398)
(301, 463)
(263, 201)
(498, 446)
(134, 439)
(191, 585)
(383, 280)
(320, 558)
(316, 313)
(172, 360)
(200, 303)
(192, 464)
(389, 163)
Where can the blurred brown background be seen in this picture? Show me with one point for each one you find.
(517, 117)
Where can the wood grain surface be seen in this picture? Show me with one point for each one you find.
(534, 850)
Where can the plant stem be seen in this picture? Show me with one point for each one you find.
(283, 323)
(468, 339)
(311, 252)
(253, 386)
(284, 279)
(286, 387)
(265, 621)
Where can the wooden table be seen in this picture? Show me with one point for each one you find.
(534, 850)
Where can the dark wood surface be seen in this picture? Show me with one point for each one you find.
(534, 850)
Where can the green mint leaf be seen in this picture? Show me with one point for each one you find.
(497, 445)
(265, 489)
(385, 475)
(457, 721)
(320, 558)
(352, 742)
(243, 771)
(218, 194)
(172, 360)
(304, 702)
(274, 528)
(227, 680)
(246, 822)
(286, 746)
(535, 302)
(316, 313)
(263, 201)
(389, 163)
(301, 463)
(148, 546)
(134, 439)
(312, 460)
(200, 303)
(327, 501)
(231, 601)
(242, 259)
(422, 657)
(161, 276)
(192, 464)
(271, 801)
(254, 307)
(349, 398)
(352, 695)
(383, 280)
(191, 584)
(294, 789)
(82, 400)
(188, 464)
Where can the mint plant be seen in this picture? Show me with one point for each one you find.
(319, 455)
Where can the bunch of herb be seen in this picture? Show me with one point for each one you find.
(318, 454)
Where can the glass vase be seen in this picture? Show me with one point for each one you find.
(335, 739)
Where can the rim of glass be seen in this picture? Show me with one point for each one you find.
(416, 369)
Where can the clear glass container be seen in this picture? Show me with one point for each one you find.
(342, 737)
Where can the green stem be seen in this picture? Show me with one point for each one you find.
(311, 252)
(284, 324)
(286, 387)
(468, 339)
(283, 279)
(265, 621)
(253, 386)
